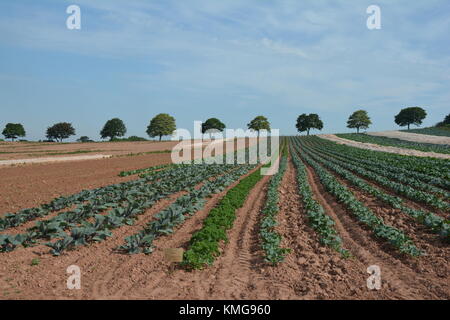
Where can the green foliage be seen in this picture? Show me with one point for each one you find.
(333, 163)
(393, 142)
(13, 130)
(366, 216)
(445, 123)
(204, 244)
(166, 220)
(270, 239)
(129, 139)
(35, 262)
(84, 139)
(307, 122)
(442, 131)
(359, 120)
(408, 116)
(212, 124)
(113, 128)
(60, 131)
(317, 218)
(161, 125)
(259, 123)
(144, 171)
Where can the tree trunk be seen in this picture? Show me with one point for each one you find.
(357, 130)
(160, 136)
(307, 132)
(408, 126)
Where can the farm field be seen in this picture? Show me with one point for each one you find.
(399, 142)
(308, 232)
(433, 131)
(382, 148)
(28, 150)
(414, 136)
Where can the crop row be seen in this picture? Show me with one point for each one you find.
(271, 239)
(123, 202)
(393, 142)
(204, 244)
(380, 160)
(394, 236)
(174, 215)
(144, 170)
(435, 223)
(322, 223)
(404, 190)
(431, 167)
(387, 171)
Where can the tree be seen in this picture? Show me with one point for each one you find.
(445, 122)
(359, 120)
(13, 130)
(412, 115)
(113, 128)
(84, 139)
(258, 124)
(306, 122)
(161, 125)
(212, 124)
(60, 131)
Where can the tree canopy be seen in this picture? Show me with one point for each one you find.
(13, 130)
(161, 125)
(84, 139)
(359, 120)
(446, 121)
(306, 122)
(412, 115)
(212, 124)
(113, 128)
(60, 131)
(259, 123)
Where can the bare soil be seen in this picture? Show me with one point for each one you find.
(414, 137)
(403, 279)
(376, 147)
(28, 150)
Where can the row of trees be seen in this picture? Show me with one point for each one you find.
(164, 124)
(360, 120)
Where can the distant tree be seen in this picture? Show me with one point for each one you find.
(306, 122)
(258, 124)
(212, 124)
(359, 120)
(161, 125)
(13, 130)
(113, 128)
(84, 139)
(60, 131)
(445, 122)
(412, 115)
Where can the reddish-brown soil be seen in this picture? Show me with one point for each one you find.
(310, 270)
(26, 150)
(405, 277)
(31, 185)
(105, 272)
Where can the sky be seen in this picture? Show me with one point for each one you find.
(229, 59)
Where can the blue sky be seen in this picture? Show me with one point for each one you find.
(196, 59)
